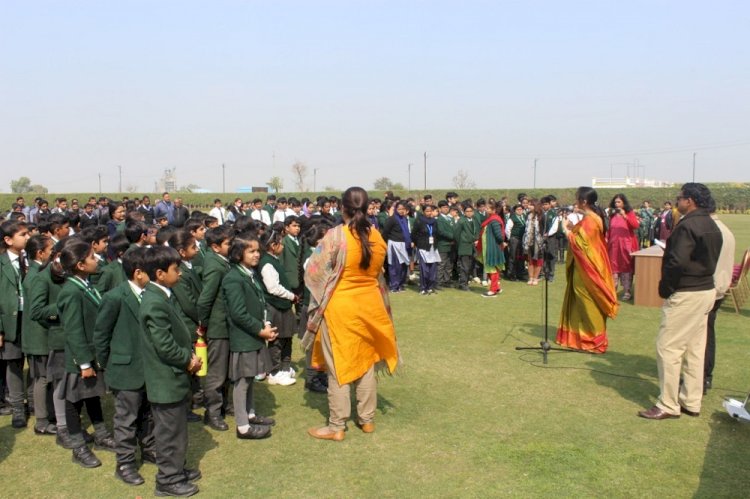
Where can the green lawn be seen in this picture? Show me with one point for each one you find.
(467, 416)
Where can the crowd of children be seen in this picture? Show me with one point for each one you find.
(111, 298)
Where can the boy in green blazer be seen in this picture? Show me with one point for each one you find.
(213, 319)
(118, 348)
(466, 234)
(112, 274)
(291, 255)
(446, 244)
(168, 362)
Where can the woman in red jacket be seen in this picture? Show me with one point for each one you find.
(622, 241)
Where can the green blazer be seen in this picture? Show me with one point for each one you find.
(43, 308)
(8, 298)
(78, 310)
(445, 237)
(466, 233)
(34, 337)
(290, 261)
(166, 348)
(211, 311)
(111, 276)
(187, 291)
(100, 265)
(245, 310)
(200, 257)
(117, 340)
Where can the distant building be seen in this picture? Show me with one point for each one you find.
(168, 181)
(625, 182)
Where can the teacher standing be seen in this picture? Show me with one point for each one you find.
(349, 316)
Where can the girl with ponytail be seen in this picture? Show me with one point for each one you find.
(349, 328)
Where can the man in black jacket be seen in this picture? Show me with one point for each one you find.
(687, 286)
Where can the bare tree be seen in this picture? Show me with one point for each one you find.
(463, 181)
(299, 170)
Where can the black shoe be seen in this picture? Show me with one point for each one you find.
(262, 421)
(5, 410)
(315, 385)
(45, 429)
(63, 438)
(129, 474)
(215, 422)
(19, 418)
(83, 456)
(148, 457)
(193, 417)
(229, 411)
(181, 489)
(105, 443)
(256, 432)
(192, 475)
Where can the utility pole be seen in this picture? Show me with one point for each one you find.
(119, 167)
(409, 177)
(315, 180)
(693, 167)
(534, 182)
(425, 171)
(100, 183)
(223, 178)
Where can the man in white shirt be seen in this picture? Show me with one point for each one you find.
(218, 212)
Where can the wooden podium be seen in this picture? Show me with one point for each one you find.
(647, 276)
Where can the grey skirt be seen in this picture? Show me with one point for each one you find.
(37, 366)
(284, 321)
(249, 364)
(77, 388)
(56, 365)
(11, 350)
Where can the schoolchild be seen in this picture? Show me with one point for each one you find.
(117, 343)
(249, 330)
(514, 231)
(466, 233)
(187, 291)
(446, 244)
(424, 235)
(213, 323)
(398, 236)
(12, 270)
(112, 274)
(490, 248)
(58, 227)
(78, 303)
(290, 257)
(550, 225)
(136, 232)
(198, 231)
(533, 241)
(279, 300)
(98, 238)
(168, 362)
(34, 338)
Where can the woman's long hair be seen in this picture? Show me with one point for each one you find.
(355, 203)
(625, 204)
(591, 197)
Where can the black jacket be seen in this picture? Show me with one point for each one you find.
(420, 233)
(690, 257)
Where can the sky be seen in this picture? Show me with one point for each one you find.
(359, 90)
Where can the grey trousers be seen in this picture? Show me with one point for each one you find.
(133, 424)
(339, 396)
(217, 376)
(244, 404)
(171, 436)
(58, 400)
(14, 380)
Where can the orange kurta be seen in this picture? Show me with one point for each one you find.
(357, 320)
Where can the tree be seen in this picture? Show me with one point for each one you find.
(383, 184)
(299, 170)
(275, 184)
(463, 181)
(21, 185)
(398, 186)
(39, 189)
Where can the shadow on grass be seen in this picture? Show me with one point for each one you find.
(200, 442)
(265, 400)
(319, 401)
(727, 454)
(7, 438)
(632, 376)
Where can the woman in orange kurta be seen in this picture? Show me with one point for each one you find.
(590, 291)
(350, 316)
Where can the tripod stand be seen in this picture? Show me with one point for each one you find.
(544, 345)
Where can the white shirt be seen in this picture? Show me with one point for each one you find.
(271, 280)
(166, 290)
(261, 215)
(137, 290)
(219, 213)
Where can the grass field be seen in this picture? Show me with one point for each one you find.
(467, 416)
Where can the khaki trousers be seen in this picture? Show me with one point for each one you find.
(680, 348)
(339, 396)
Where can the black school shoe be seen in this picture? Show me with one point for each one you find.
(261, 420)
(256, 432)
(19, 418)
(105, 443)
(63, 438)
(128, 473)
(215, 422)
(316, 385)
(193, 417)
(83, 456)
(45, 429)
(180, 489)
(192, 475)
